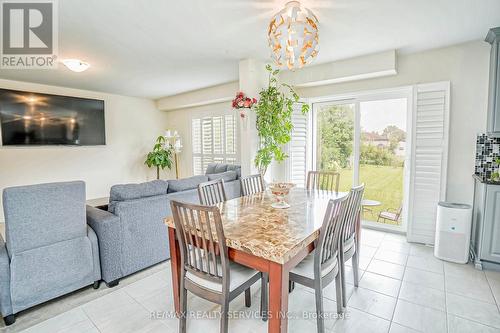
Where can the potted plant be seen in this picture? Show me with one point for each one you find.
(160, 156)
(274, 120)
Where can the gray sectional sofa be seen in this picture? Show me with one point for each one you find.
(131, 233)
(56, 245)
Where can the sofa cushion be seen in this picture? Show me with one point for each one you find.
(124, 192)
(216, 168)
(234, 167)
(184, 184)
(226, 176)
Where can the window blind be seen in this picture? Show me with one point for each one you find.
(213, 140)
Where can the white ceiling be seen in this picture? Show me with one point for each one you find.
(158, 48)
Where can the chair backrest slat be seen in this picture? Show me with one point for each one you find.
(330, 232)
(323, 181)
(353, 211)
(212, 192)
(252, 184)
(201, 241)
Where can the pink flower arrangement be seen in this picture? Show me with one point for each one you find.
(243, 102)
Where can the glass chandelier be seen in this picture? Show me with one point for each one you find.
(293, 36)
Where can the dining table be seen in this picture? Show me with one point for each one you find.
(267, 239)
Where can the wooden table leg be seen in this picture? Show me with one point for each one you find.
(175, 260)
(278, 298)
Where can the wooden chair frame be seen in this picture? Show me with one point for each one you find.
(323, 181)
(326, 250)
(200, 253)
(252, 184)
(348, 239)
(212, 192)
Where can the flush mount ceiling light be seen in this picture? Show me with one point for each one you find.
(76, 65)
(293, 36)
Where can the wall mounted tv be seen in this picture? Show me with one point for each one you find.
(33, 119)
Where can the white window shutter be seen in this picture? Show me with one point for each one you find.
(431, 105)
(298, 147)
(213, 140)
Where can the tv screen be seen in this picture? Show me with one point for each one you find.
(40, 119)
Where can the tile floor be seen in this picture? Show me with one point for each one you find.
(403, 288)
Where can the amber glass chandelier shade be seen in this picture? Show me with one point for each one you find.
(293, 36)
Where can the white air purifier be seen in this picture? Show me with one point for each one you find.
(453, 228)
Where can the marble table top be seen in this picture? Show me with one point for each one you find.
(251, 225)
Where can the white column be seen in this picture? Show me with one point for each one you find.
(253, 78)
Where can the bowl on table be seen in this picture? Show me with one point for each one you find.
(280, 191)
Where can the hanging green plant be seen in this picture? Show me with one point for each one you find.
(160, 156)
(274, 120)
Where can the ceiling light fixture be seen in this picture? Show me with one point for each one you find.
(293, 36)
(76, 65)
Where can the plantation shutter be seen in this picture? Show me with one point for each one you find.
(297, 147)
(431, 103)
(213, 140)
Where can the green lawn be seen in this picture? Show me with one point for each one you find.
(382, 183)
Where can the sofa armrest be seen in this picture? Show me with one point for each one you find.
(5, 301)
(109, 235)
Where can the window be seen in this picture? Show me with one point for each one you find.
(214, 140)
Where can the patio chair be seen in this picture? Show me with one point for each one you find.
(390, 214)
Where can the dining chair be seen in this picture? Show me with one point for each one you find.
(348, 239)
(206, 270)
(323, 180)
(321, 266)
(252, 184)
(212, 192)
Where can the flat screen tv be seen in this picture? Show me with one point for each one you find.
(33, 119)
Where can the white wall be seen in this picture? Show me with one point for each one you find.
(132, 125)
(466, 67)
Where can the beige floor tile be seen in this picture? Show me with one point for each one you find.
(381, 284)
(421, 295)
(391, 256)
(462, 325)
(424, 278)
(373, 303)
(420, 318)
(430, 264)
(386, 268)
(471, 286)
(481, 312)
(357, 321)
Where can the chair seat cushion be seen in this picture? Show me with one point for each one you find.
(238, 274)
(306, 267)
(388, 215)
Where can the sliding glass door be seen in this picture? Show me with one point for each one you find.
(334, 140)
(365, 139)
(382, 158)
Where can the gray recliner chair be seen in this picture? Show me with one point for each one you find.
(49, 249)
